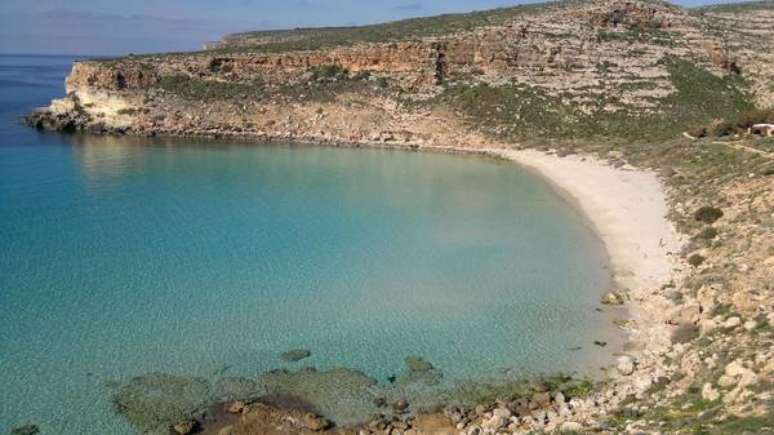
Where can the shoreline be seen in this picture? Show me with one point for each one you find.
(641, 244)
(627, 210)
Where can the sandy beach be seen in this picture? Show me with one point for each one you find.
(628, 210)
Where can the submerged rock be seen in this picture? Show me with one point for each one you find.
(613, 298)
(154, 403)
(315, 423)
(236, 388)
(29, 429)
(419, 371)
(415, 363)
(186, 427)
(343, 395)
(400, 405)
(295, 355)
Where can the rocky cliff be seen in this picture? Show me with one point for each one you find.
(601, 66)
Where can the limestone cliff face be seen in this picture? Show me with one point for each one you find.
(556, 37)
(110, 77)
(606, 55)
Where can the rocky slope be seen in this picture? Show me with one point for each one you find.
(619, 80)
(567, 70)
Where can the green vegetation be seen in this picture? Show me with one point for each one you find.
(518, 112)
(737, 7)
(195, 89)
(690, 414)
(128, 111)
(701, 96)
(329, 72)
(737, 124)
(708, 214)
(685, 333)
(415, 28)
(696, 260)
(708, 233)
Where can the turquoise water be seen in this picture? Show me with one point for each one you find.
(122, 257)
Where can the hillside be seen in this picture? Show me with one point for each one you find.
(636, 84)
(567, 70)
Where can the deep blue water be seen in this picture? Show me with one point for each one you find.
(121, 257)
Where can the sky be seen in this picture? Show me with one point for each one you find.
(113, 27)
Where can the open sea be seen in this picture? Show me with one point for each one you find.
(121, 257)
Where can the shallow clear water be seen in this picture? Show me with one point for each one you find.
(124, 257)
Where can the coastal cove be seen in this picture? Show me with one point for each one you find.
(92, 314)
(541, 218)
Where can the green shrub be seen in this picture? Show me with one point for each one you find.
(721, 129)
(196, 89)
(737, 124)
(708, 214)
(329, 72)
(685, 333)
(708, 233)
(696, 260)
(699, 132)
(127, 111)
(362, 75)
(756, 116)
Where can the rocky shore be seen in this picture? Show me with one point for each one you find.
(688, 223)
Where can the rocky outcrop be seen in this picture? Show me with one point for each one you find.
(592, 58)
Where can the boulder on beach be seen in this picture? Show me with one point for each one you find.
(625, 365)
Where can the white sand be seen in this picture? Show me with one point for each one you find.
(628, 210)
(627, 207)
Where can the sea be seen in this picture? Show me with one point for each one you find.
(121, 257)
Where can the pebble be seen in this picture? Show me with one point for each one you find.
(570, 426)
(733, 322)
(625, 365)
(726, 381)
(709, 392)
(236, 407)
(400, 405)
(734, 369)
(185, 427)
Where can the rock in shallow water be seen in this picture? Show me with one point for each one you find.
(29, 429)
(419, 371)
(295, 355)
(153, 403)
(236, 388)
(343, 395)
(613, 298)
(417, 364)
(186, 427)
